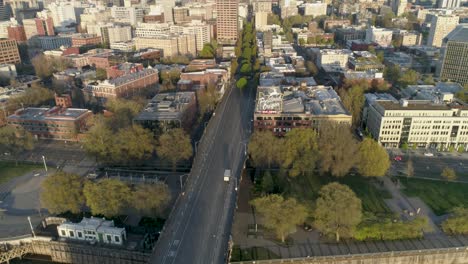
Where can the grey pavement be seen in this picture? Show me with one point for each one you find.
(198, 228)
(21, 201)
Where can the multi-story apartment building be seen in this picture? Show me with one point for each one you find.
(52, 123)
(330, 57)
(262, 6)
(52, 42)
(227, 21)
(315, 9)
(122, 69)
(201, 31)
(455, 63)
(441, 26)
(381, 36)
(123, 86)
(449, 4)
(38, 27)
(126, 46)
(131, 15)
(119, 34)
(342, 35)
(16, 32)
(280, 109)
(424, 123)
(9, 52)
(63, 15)
(181, 14)
(170, 45)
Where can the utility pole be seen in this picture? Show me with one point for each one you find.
(32, 229)
(45, 165)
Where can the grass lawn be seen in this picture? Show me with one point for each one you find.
(306, 189)
(8, 170)
(440, 196)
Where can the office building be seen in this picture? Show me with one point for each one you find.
(170, 45)
(441, 26)
(51, 42)
(330, 57)
(38, 27)
(63, 15)
(315, 9)
(126, 46)
(9, 52)
(16, 32)
(262, 6)
(261, 20)
(79, 40)
(455, 63)
(438, 123)
(130, 15)
(119, 34)
(227, 21)
(55, 123)
(280, 109)
(448, 4)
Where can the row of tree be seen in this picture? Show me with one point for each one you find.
(63, 192)
(246, 54)
(332, 150)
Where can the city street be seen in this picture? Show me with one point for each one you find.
(199, 226)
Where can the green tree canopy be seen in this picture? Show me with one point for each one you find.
(392, 74)
(246, 69)
(457, 223)
(62, 192)
(373, 159)
(410, 77)
(241, 83)
(338, 211)
(207, 98)
(449, 174)
(279, 214)
(312, 68)
(108, 197)
(123, 112)
(133, 144)
(353, 100)
(151, 199)
(300, 152)
(174, 146)
(15, 140)
(264, 148)
(99, 140)
(208, 52)
(338, 149)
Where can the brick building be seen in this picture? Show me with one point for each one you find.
(63, 101)
(80, 40)
(16, 33)
(122, 69)
(123, 86)
(52, 123)
(203, 78)
(9, 52)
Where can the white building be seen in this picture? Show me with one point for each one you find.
(8, 71)
(427, 124)
(131, 15)
(93, 229)
(331, 57)
(119, 34)
(123, 46)
(315, 9)
(449, 4)
(63, 15)
(381, 36)
(261, 20)
(441, 26)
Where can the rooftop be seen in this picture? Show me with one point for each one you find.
(55, 113)
(459, 34)
(166, 106)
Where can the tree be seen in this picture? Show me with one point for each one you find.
(241, 83)
(456, 224)
(449, 174)
(42, 66)
(409, 169)
(264, 148)
(410, 77)
(392, 74)
(338, 211)
(133, 144)
(338, 149)
(312, 68)
(174, 146)
(373, 159)
(101, 74)
(302, 41)
(279, 214)
(463, 94)
(429, 80)
(62, 192)
(99, 140)
(108, 197)
(246, 69)
(208, 52)
(123, 112)
(300, 151)
(207, 98)
(380, 56)
(268, 184)
(353, 100)
(14, 140)
(151, 199)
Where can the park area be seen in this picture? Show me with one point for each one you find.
(10, 170)
(440, 196)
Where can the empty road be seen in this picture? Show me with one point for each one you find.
(198, 229)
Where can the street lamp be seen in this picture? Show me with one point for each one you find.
(45, 164)
(235, 182)
(30, 224)
(196, 146)
(181, 182)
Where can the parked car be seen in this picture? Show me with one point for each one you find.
(397, 158)
(429, 154)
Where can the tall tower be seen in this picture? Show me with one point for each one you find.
(227, 26)
(441, 25)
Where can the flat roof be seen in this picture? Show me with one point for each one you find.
(166, 106)
(55, 113)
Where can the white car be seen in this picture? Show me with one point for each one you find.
(428, 154)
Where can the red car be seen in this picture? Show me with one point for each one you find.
(397, 158)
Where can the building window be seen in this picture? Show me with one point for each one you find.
(109, 238)
(63, 232)
(80, 235)
(72, 234)
(117, 239)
